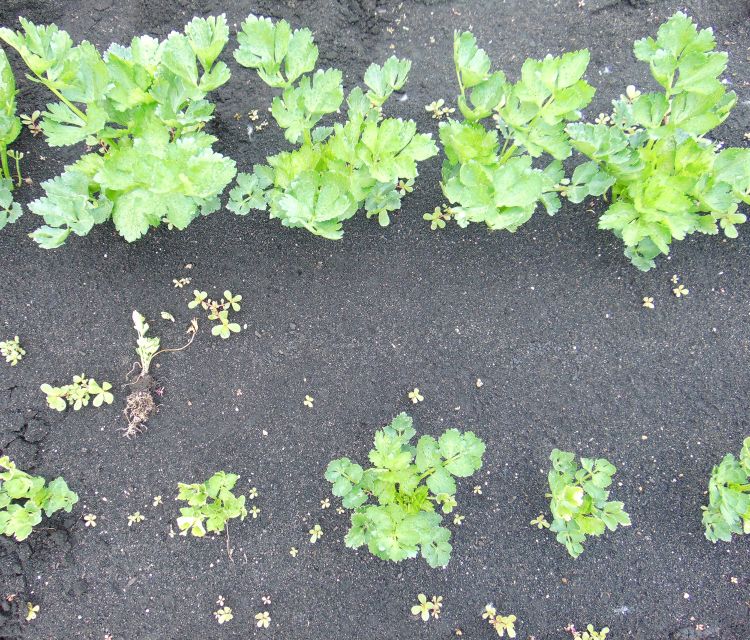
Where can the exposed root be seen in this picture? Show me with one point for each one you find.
(140, 403)
(139, 406)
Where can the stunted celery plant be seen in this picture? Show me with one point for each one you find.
(579, 500)
(367, 161)
(395, 502)
(142, 108)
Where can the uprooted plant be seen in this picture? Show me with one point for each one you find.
(140, 403)
(24, 497)
(368, 161)
(10, 127)
(409, 484)
(667, 179)
(140, 110)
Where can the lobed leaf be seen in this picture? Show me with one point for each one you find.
(384, 80)
(279, 55)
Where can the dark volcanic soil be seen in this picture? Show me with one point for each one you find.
(549, 318)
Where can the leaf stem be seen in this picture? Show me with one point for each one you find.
(61, 97)
(4, 159)
(509, 153)
(17, 158)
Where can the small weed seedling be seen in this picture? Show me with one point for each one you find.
(579, 503)
(23, 498)
(667, 179)
(10, 127)
(502, 624)
(408, 484)
(218, 311)
(728, 509)
(141, 110)
(498, 185)
(590, 634)
(78, 394)
(140, 403)
(31, 122)
(211, 505)
(335, 171)
(12, 351)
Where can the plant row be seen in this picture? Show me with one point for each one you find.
(398, 503)
(141, 111)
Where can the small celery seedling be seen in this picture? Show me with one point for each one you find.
(78, 394)
(147, 347)
(12, 351)
(667, 179)
(142, 109)
(499, 185)
(23, 498)
(579, 502)
(728, 509)
(334, 171)
(211, 505)
(409, 484)
(10, 127)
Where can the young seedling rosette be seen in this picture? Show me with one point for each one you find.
(10, 127)
(23, 499)
(665, 177)
(397, 502)
(578, 500)
(496, 182)
(335, 170)
(728, 510)
(78, 394)
(143, 109)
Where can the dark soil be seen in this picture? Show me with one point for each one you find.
(549, 318)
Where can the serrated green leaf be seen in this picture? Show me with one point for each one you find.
(207, 38)
(44, 49)
(472, 63)
(10, 123)
(402, 426)
(384, 80)
(268, 47)
(588, 179)
(317, 202)
(250, 192)
(465, 141)
(63, 127)
(441, 482)
(437, 552)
